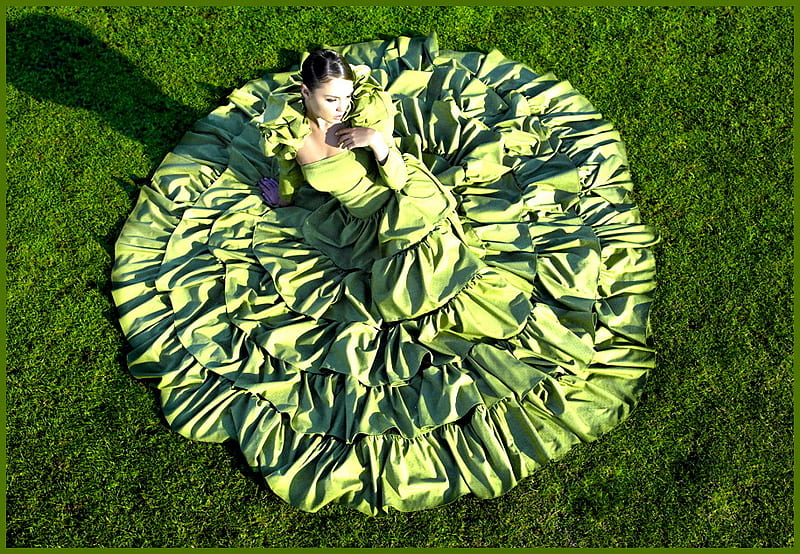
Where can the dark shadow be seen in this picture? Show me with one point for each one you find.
(61, 61)
(57, 60)
(239, 463)
(287, 59)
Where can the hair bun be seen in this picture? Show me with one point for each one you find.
(322, 65)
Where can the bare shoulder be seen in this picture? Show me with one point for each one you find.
(319, 144)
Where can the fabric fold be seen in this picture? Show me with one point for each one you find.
(397, 337)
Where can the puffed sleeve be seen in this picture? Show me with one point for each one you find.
(284, 129)
(373, 107)
(290, 177)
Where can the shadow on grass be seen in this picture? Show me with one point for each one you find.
(58, 60)
(62, 61)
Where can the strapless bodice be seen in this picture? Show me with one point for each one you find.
(352, 177)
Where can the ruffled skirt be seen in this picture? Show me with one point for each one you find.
(483, 323)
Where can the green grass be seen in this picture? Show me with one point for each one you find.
(703, 98)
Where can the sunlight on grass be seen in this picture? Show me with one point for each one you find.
(702, 97)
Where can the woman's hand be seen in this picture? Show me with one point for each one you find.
(269, 190)
(361, 137)
(357, 137)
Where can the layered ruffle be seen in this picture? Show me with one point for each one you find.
(331, 348)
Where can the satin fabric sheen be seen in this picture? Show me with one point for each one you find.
(400, 335)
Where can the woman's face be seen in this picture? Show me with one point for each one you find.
(329, 101)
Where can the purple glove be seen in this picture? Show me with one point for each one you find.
(269, 190)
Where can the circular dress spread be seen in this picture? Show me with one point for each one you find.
(400, 335)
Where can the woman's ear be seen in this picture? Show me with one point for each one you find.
(304, 90)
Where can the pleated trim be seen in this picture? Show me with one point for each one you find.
(541, 189)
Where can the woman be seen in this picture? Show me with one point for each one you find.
(420, 258)
(447, 287)
(327, 92)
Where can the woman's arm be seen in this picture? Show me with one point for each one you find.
(290, 177)
(381, 142)
(391, 165)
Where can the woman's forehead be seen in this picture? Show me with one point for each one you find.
(336, 87)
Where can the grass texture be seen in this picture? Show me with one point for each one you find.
(703, 98)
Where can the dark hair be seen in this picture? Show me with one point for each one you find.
(323, 65)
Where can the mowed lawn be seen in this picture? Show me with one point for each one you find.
(703, 98)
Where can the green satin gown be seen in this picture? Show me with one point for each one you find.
(401, 334)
